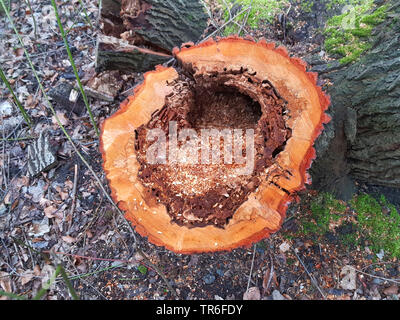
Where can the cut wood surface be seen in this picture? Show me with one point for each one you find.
(265, 208)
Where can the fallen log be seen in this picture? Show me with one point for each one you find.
(190, 203)
(136, 35)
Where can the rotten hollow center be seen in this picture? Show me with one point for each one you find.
(227, 103)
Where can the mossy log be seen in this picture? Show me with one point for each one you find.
(137, 35)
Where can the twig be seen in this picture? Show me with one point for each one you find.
(29, 250)
(16, 139)
(246, 18)
(157, 269)
(85, 13)
(271, 274)
(314, 282)
(28, 2)
(224, 25)
(251, 268)
(86, 257)
(71, 212)
(376, 277)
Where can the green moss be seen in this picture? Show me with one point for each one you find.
(347, 35)
(261, 11)
(363, 221)
(307, 6)
(378, 223)
(324, 210)
(332, 4)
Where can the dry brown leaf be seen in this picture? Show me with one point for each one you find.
(252, 293)
(36, 270)
(26, 277)
(394, 289)
(69, 239)
(69, 184)
(349, 278)
(50, 212)
(5, 281)
(61, 116)
(267, 280)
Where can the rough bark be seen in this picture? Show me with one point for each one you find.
(137, 35)
(363, 141)
(118, 54)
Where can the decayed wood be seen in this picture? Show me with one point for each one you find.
(136, 35)
(264, 211)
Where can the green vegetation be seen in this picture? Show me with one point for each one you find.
(364, 220)
(378, 223)
(261, 10)
(332, 4)
(347, 35)
(307, 5)
(324, 210)
(142, 269)
(59, 271)
(21, 108)
(71, 59)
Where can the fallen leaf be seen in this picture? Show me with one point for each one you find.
(50, 212)
(349, 278)
(26, 277)
(391, 290)
(252, 293)
(284, 247)
(61, 116)
(69, 239)
(5, 281)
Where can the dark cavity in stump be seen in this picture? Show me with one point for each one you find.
(200, 194)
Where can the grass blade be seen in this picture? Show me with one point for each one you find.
(21, 108)
(86, 14)
(68, 282)
(12, 295)
(28, 2)
(71, 59)
(79, 154)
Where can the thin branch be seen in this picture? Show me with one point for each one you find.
(313, 281)
(246, 18)
(223, 26)
(251, 268)
(28, 2)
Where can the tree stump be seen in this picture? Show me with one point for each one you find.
(245, 91)
(137, 35)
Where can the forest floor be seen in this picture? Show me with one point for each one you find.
(62, 217)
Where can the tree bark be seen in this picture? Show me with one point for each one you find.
(137, 35)
(362, 143)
